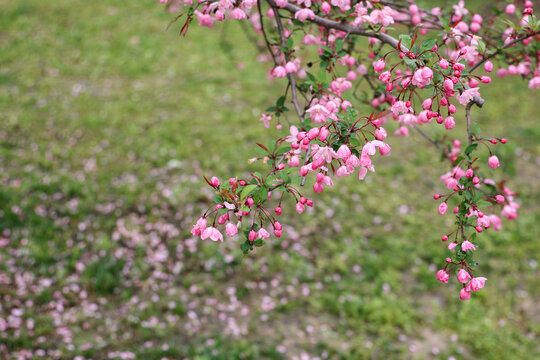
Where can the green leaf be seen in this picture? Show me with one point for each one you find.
(246, 191)
(458, 160)
(483, 204)
(477, 197)
(245, 247)
(470, 148)
(428, 45)
(258, 242)
(217, 199)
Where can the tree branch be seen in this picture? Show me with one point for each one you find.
(290, 76)
(518, 40)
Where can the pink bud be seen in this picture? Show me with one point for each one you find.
(476, 180)
(493, 162)
(309, 203)
(380, 134)
(488, 66)
(449, 123)
(250, 202)
(444, 237)
(436, 196)
(252, 235)
(379, 65)
(300, 208)
(464, 294)
(442, 208)
(443, 276)
(443, 64)
(485, 79)
(313, 133)
(510, 9)
(326, 8)
(463, 276)
(214, 181)
(427, 104)
(344, 152)
(231, 229)
(469, 173)
(499, 198)
(278, 226)
(278, 233)
(478, 283)
(323, 133)
(448, 85)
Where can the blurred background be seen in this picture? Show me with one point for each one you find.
(107, 124)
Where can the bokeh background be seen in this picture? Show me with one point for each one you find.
(107, 124)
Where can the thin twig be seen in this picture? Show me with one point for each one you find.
(429, 138)
(468, 114)
(290, 76)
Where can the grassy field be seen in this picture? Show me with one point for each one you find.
(108, 123)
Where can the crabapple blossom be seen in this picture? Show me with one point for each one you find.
(418, 83)
(463, 276)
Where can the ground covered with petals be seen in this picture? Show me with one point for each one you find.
(108, 123)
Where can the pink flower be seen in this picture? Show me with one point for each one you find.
(199, 227)
(344, 152)
(204, 19)
(467, 245)
(383, 16)
(212, 233)
(266, 120)
(318, 113)
(478, 283)
(443, 276)
(385, 77)
(279, 72)
(231, 229)
(263, 234)
(292, 66)
(464, 294)
(442, 208)
(493, 162)
(237, 14)
(468, 95)
(380, 134)
(362, 172)
(303, 14)
(281, 3)
(379, 65)
(534, 83)
(400, 107)
(463, 276)
(422, 77)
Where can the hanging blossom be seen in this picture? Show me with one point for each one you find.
(413, 82)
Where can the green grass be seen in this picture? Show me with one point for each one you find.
(109, 121)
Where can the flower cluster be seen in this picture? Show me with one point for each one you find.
(427, 77)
